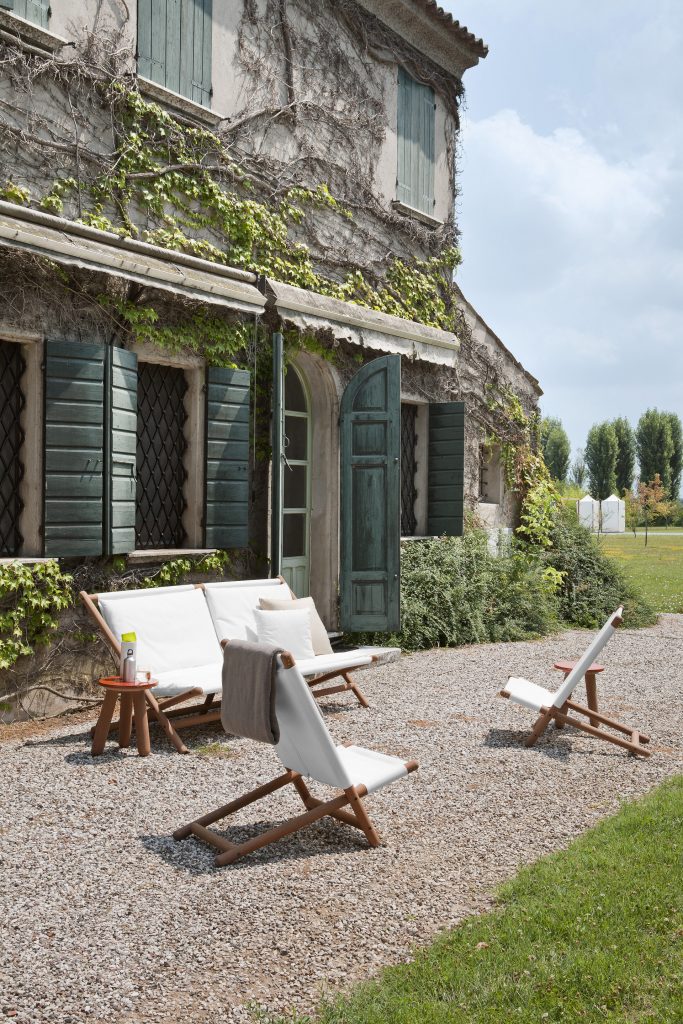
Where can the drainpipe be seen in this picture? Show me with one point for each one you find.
(276, 458)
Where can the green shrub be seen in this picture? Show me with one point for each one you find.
(454, 592)
(593, 584)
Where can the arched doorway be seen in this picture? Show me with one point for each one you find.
(296, 484)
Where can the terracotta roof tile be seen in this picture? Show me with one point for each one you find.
(454, 27)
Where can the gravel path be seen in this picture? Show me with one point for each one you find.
(106, 919)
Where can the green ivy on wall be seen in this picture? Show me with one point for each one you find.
(31, 597)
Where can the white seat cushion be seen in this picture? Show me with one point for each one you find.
(529, 694)
(176, 640)
(369, 768)
(232, 605)
(340, 660)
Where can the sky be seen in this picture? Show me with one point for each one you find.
(570, 199)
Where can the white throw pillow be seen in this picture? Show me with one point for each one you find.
(291, 630)
(321, 642)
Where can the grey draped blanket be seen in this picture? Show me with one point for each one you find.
(248, 704)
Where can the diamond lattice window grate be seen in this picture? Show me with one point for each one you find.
(408, 469)
(161, 449)
(11, 438)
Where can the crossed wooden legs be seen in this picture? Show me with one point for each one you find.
(183, 717)
(348, 684)
(353, 797)
(561, 716)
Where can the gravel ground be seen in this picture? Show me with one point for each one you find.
(106, 918)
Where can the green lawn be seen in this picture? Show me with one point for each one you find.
(656, 569)
(592, 934)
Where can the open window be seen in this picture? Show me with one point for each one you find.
(142, 455)
(490, 475)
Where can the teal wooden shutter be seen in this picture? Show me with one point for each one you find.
(370, 427)
(36, 11)
(121, 403)
(74, 448)
(226, 511)
(415, 130)
(201, 52)
(174, 46)
(446, 470)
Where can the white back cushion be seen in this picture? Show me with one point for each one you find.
(172, 624)
(232, 605)
(590, 654)
(289, 630)
(305, 744)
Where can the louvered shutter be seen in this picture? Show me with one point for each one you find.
(36, 11)
(74, 448)
(201, 52)
(226, 511)
(446, 470)
(174, 46)
(121, 393)
(416, 151)
(370, 427)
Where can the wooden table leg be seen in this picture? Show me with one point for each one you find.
(558, 724)
(592, 695)
(103, 723)
(125, 720)
(141, 724)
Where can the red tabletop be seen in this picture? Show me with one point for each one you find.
(567, 666)
(117, 683)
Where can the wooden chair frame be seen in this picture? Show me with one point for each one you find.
(352, 797)
(635, 744)
(159, 711)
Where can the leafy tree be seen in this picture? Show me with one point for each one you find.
(555, 447)
(652, 499)
(676, 462)
(626, 453)
(601, 460)
(655, 447)
(578, 469)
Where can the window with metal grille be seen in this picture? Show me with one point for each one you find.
(408, 469)
(160, 457)
(11, 438)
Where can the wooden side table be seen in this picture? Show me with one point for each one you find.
(591, 684)
(132, 697)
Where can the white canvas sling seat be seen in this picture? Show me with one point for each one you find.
(232, 606)
(557, 706)
(306, 751)
(176, 640)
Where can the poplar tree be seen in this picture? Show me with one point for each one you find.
(601, 460)
(555, 447)
(655, 447)
(626, 454)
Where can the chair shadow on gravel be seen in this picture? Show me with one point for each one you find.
(554, 746)
(196, 858)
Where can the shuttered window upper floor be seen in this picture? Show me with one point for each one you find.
(36, 11)
(174, 39)
(416, 144)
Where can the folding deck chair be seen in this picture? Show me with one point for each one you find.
(556, 706)
(306, 750)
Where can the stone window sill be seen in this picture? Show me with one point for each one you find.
(28, 560)
(410, 211)
(31, 37)
(177, 104)
(151, 556)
